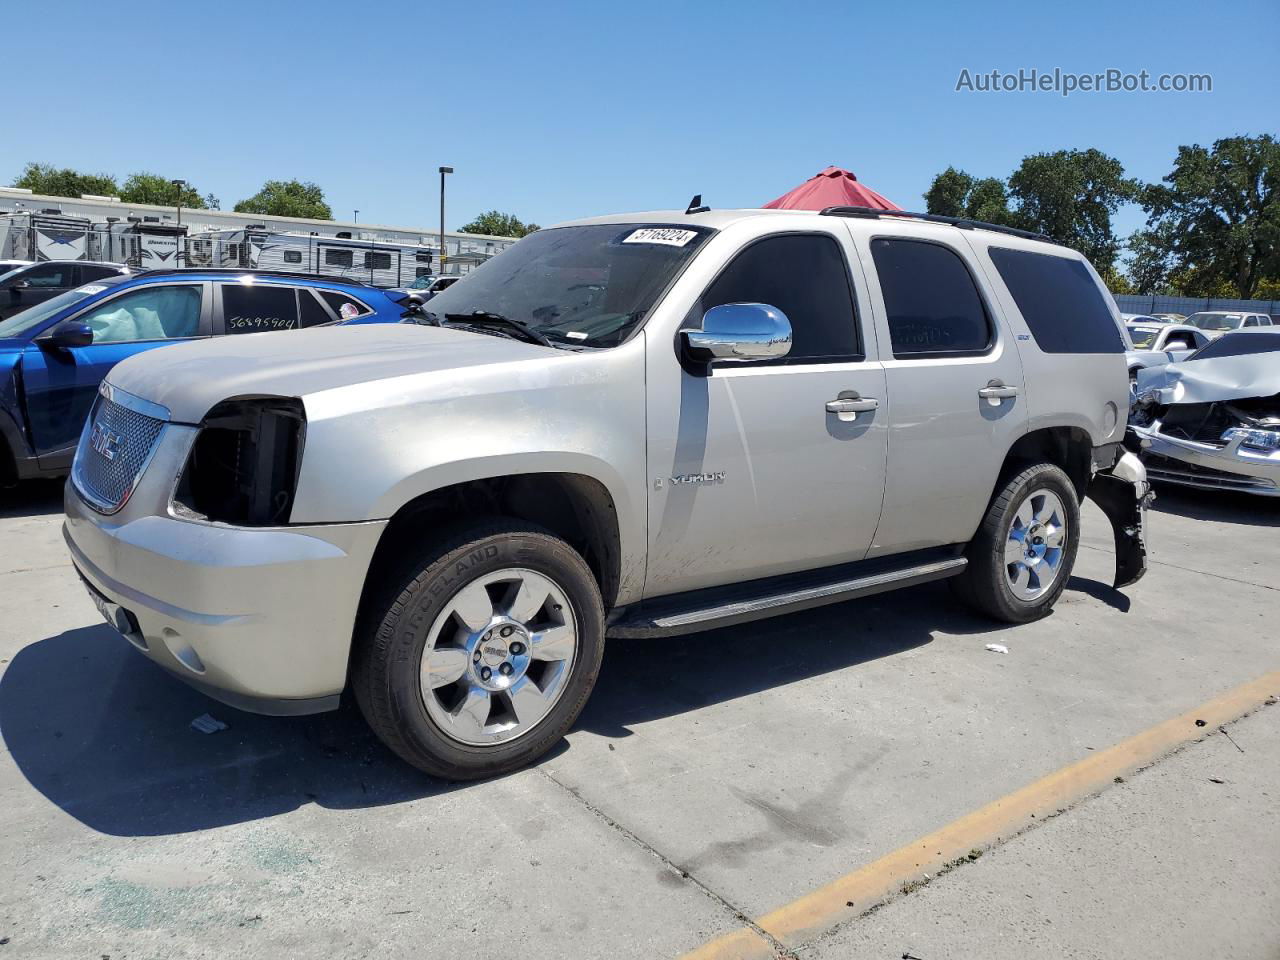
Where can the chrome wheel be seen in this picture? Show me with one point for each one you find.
(498, 657)
(1034, 549)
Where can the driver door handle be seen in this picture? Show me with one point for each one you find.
(995, 390)
(848, 407)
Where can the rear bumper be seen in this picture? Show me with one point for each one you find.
(1124, 493)
(260, 619)
(1207, 466)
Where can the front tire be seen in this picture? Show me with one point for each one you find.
(1021, 557)
(483, 658)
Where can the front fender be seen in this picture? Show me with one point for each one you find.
(1124, 493)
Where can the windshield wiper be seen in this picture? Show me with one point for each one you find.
(482, 318)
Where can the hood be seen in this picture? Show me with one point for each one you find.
(188, 379)
(1210, 381)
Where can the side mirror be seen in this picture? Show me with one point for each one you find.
(69, 333)
(740, 331)
(412, 304)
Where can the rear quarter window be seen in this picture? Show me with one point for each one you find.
(1060, 301)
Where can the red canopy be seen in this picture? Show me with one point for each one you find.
(832, 187)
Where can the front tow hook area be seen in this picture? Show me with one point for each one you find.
(1124, 493)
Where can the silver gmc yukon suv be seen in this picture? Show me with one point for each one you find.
(636, 425)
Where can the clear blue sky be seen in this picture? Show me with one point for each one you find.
(558, 110)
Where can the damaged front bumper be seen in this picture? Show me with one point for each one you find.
(1123, 492)
(1229, 466)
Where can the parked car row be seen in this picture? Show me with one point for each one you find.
(54, 354)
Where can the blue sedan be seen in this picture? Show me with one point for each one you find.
(54, 355)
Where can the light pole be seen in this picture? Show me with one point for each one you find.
(179, 184)
(443, 171)
(355, 216)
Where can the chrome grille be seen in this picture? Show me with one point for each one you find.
(114, 450)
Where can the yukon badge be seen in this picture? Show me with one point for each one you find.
(685, 478)
(104, 442)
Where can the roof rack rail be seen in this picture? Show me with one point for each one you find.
(251, 272)
(964, 223)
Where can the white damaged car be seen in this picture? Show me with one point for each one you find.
(1213, 420)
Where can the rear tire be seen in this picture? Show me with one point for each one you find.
(482, 653)
(1021, 557)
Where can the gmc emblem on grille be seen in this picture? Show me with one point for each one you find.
(106, 443)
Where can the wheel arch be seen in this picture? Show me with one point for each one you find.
(577, 508)
(1070, 448)
(11, 444)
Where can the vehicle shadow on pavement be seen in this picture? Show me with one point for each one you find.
(106, 735)
(645, 679)
(33, 498)
(1222, 506)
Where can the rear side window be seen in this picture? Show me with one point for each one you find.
(50, 275)
(932, 303)
(804, 276)
(345, 307)
(90, 272)
(310, 310)
(258, 308)
(1060, 301)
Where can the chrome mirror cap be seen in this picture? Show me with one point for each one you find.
(740, 331)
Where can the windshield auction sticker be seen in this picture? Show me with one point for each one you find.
(667, 236)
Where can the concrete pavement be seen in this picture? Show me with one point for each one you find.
(710, 779)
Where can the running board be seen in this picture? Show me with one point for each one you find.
(672, 620)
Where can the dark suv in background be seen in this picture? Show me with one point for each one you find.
(54, 355)
(35, 283)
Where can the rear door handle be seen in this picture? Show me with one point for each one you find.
(995, 391)
(848, 406)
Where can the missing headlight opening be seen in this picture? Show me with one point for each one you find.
(243, 466)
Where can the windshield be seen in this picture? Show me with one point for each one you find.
(21, 323)
(586, 286)
(422, 282)
(1216, 321)
(1142, 338)
(1238, 345)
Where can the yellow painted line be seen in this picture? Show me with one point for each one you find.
(855, 893)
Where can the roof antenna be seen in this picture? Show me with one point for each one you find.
(695, 205)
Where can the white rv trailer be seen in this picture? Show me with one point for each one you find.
(378, 262)
(141, 242)
(47, 235)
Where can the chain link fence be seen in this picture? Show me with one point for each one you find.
(1130, 303)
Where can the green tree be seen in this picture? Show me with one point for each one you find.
(497, 224)
(155, 189)
(1070, 196)
(948, 193)
(1215, 220)
(1150, 268)
(54, 182)
(287, 198)
(955, 193)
